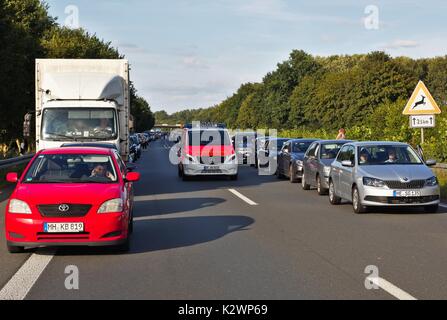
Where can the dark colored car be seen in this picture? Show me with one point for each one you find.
(317, 164)
(134, 149)
(290, 159)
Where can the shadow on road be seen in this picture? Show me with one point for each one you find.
(169, 206)
(164, 234)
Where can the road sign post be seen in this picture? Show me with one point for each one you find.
(422, 109)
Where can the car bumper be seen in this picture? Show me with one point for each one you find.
(201, 170)
(385, 197)
(99, 230)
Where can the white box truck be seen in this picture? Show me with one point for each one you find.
(82, 101)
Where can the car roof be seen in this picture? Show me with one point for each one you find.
(374, 143)
(90, 144)
(335, 141)
(77, 150)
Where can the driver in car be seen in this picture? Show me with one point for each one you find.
(101, 172)
(104, 127)
(392, 157)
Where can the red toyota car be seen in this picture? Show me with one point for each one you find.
(71, 196)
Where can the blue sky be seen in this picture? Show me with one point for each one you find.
(195, 53)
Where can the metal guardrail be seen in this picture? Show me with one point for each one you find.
(14, 161)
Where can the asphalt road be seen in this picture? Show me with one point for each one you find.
(198, 240)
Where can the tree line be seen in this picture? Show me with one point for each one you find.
(27, 32)
(312, 96)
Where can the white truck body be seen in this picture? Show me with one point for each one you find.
(82, 101)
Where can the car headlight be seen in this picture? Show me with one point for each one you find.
(112, 206)
(371, 182)
(327, 171)
(433, 181)
(19, 207)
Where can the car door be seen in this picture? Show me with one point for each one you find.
(307, 161)
(313, 165)
(346, 173)
(337, 169)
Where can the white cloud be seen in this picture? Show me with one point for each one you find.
(397, 44)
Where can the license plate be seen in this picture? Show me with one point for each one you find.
(66, 227)
(211, 168)
(407, 193)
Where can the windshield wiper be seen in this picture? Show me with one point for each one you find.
(61, 136)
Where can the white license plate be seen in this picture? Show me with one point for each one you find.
(66, 227)
(407, 193)
(211, 168)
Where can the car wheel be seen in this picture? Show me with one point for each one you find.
(292, 174)
(15, 249)
(234, 177)
(333, 198)
(279, 175)
(186, 177)
(357, 202)
(431, 209)
(131, 222)
(304, 183)
(321, 191)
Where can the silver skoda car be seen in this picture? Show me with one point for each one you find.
(382, 174)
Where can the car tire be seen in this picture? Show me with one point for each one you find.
(321, 191)
(15, 249)
(279, 175)
(304, 183)
(431, 209)
(234, 177)
(185, 177)
(292, 174)
(357, 202)
(333, 198)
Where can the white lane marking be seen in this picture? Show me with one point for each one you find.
(242, 197)
(21, 283)
(391, 288)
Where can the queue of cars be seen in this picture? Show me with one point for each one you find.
(367, 174)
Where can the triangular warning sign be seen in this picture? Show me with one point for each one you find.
(421, 102)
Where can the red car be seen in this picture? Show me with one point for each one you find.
(71, 196)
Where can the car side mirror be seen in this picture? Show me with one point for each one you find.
(430, 163)
(12, 177)
(132, 177)
(347, 163)
(131, 167)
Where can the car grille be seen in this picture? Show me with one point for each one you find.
(415, 184)
(212, 160)
(75, 210)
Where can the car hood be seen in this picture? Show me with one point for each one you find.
(397, 172)
(76, 193)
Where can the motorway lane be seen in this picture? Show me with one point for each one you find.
(196, 240)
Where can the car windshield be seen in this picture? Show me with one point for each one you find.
(209, 138)
(77, 168)
(279, 143)
(300, 146)
(330, 151)
(387, 155)
(74, 124)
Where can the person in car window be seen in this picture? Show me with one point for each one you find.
(101, 172)
(104, 127)
(392, 158)
(364, 157)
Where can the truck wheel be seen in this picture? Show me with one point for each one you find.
(15, 249)
(333, 199)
